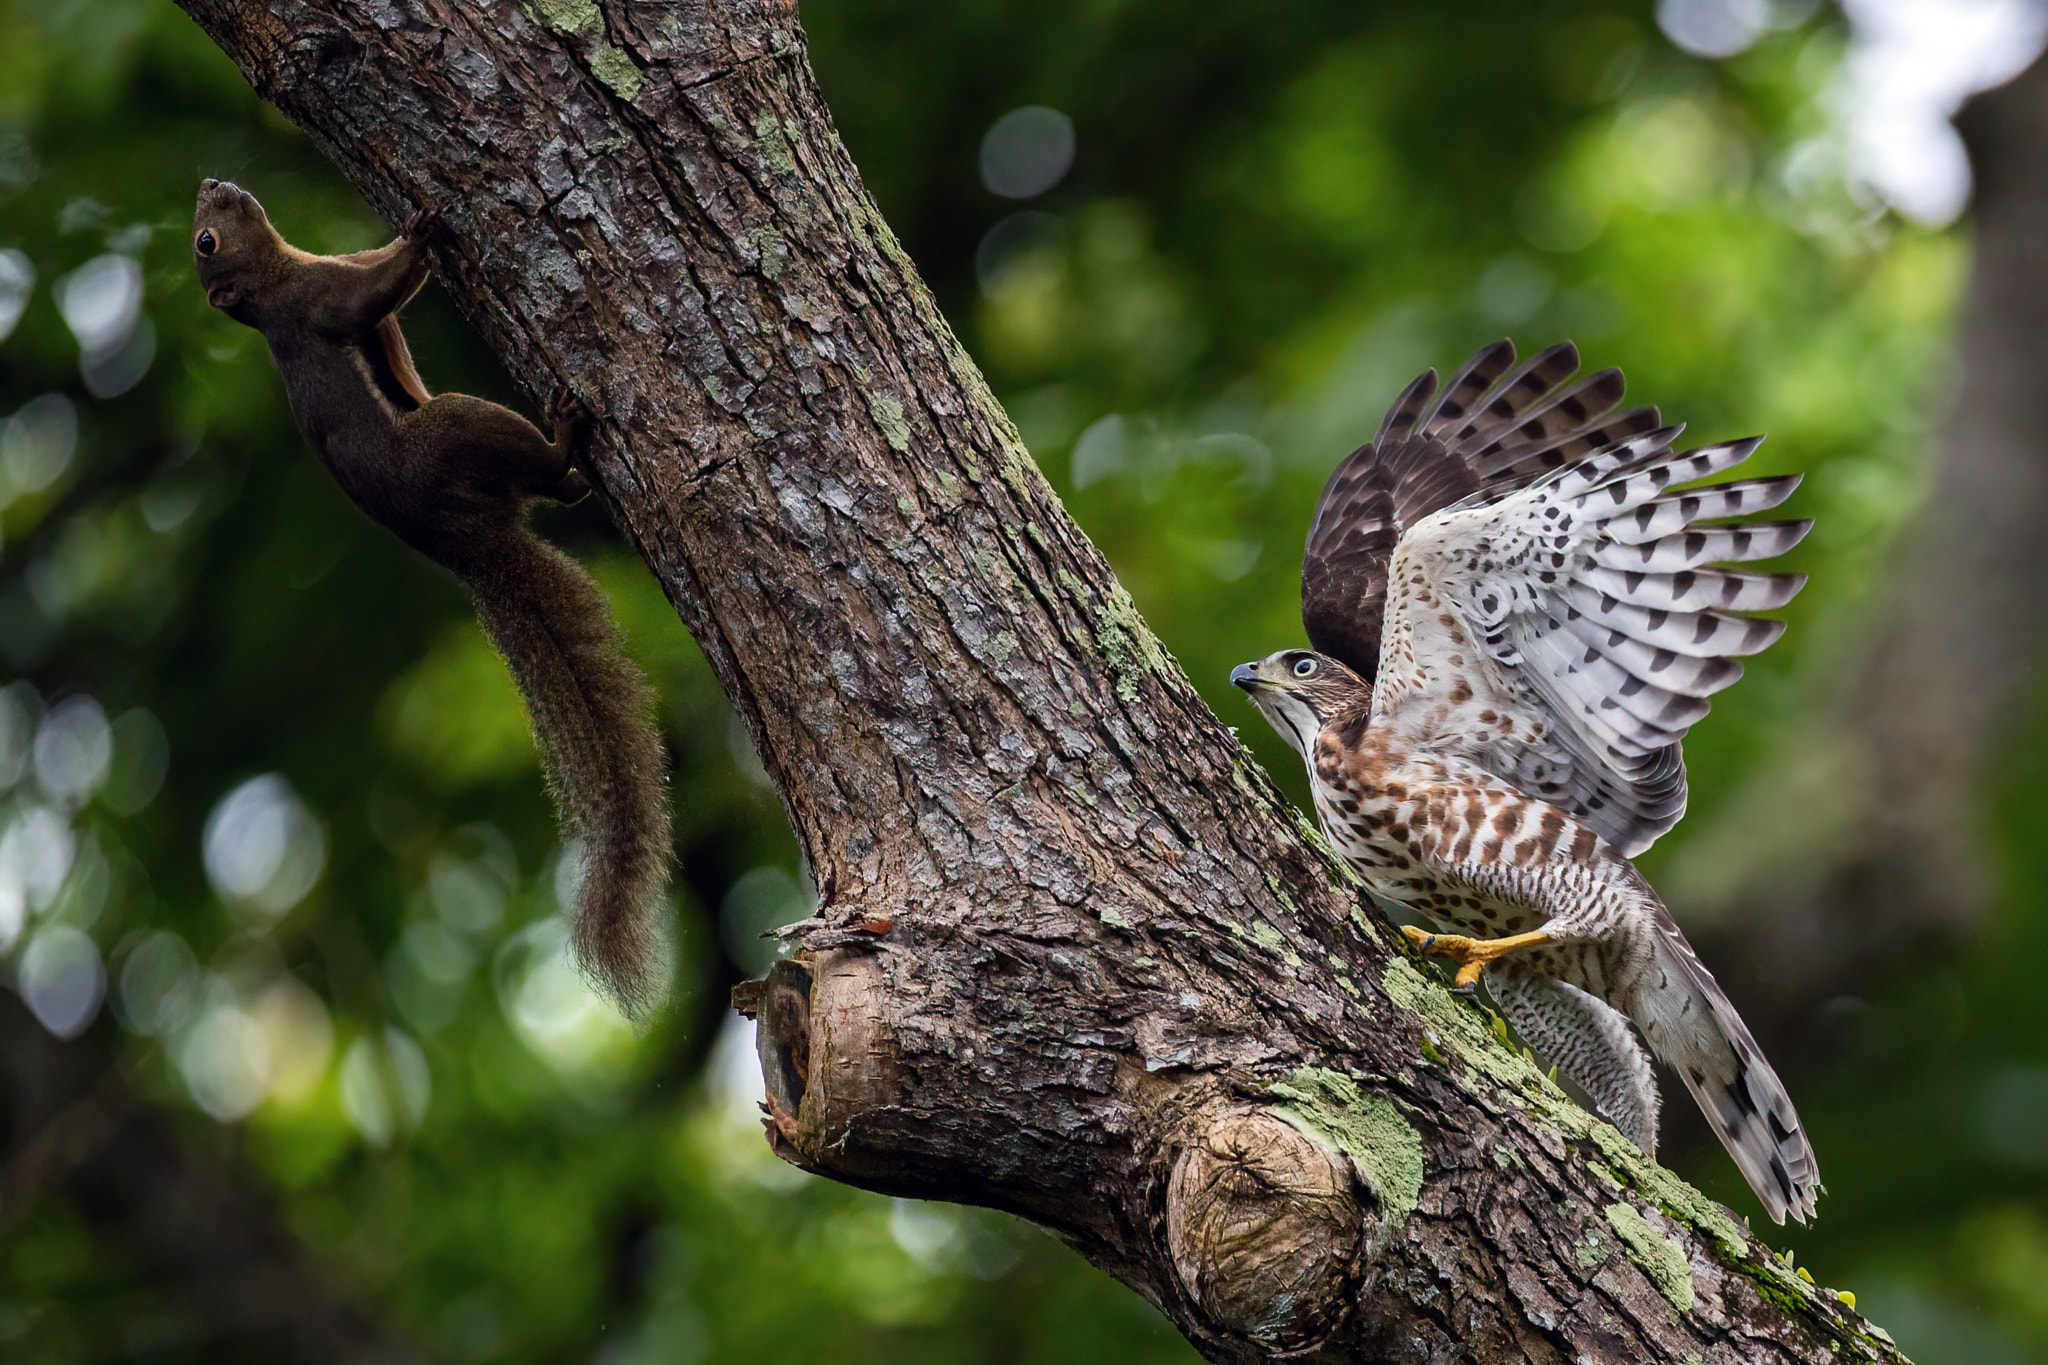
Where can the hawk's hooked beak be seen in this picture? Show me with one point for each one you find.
(1246, 676)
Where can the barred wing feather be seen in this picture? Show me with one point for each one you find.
(1493, 427)
(1566, 633)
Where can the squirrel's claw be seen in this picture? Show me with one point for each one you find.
(423, 223)
(569, 418)
(574, 487)
(565, 407)
(781, 1128)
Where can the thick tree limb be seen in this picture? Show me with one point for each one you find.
(1074, 957)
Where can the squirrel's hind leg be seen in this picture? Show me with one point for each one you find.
(488, 450)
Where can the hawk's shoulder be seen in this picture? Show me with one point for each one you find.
(1491, 428)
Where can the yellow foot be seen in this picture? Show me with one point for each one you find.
(1471, 954)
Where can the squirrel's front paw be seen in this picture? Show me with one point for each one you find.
(565, 409)
(571, 421)
(423, 224)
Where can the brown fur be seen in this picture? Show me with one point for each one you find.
(452, 476)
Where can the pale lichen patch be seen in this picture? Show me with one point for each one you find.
(888, 415)
(1674, 1196)
(1451, 1021)
(1660, 1258)
(766, 246)
(565, 16)
(613, 67)
(1384, 1146)
(1128, 645)
(774, 145)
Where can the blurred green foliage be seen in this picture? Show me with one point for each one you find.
(266, 788)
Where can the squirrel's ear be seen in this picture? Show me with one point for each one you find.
(223, 296)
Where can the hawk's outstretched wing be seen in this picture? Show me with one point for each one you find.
(1566, 633)
(1491, 429)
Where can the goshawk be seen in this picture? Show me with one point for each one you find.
(1516, 612)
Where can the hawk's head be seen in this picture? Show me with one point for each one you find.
(1300, 691)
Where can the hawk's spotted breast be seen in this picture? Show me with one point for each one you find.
(1519, 597)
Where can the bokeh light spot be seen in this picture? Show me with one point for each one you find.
(298, 1034)
(557, 1014)
(37, 443)
(1027, 151)
(73, 748)
(1713, 28)
(469, 893)
(101, 302)
(157, 990)
(223, 1057)
(63, 979)
(17, 280)
(385, 1088)
(264, 849)
(36, 852)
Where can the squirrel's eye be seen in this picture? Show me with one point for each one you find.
(205, 243)
(1304, 668)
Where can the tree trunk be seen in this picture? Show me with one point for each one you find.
(1075, 957)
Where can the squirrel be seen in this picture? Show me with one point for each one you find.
(452, 475)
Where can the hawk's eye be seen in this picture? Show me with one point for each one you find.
(204, 243)
(1305, 668)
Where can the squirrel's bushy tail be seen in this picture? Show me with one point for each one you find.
(592, 717)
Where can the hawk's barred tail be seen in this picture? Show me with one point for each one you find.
(1745, 1103)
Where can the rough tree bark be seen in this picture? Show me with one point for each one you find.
(1075, 957)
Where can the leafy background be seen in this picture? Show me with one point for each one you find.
(272, 832)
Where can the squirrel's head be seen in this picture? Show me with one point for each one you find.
(231, 240)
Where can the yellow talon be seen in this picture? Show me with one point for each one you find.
(1471, 954)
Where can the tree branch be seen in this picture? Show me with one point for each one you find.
(1075, 957)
